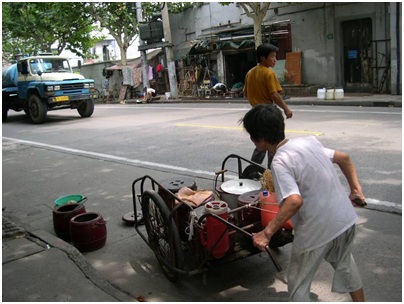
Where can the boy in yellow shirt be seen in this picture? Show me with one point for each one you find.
(262, 87)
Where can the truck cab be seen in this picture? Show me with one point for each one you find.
(39, 84)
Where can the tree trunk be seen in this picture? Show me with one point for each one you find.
(257, 11)
(257, 32)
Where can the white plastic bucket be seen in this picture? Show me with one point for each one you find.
(339, 94)
(330, 94)
(168, 95)
(321, 93)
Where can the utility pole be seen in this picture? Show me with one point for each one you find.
(143, 55)
(172, 75)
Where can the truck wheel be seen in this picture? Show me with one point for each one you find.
(5, 106)
(5, 112)
(86, 109)
(37, 109)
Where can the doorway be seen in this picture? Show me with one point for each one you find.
(237, 65)
(357, 50)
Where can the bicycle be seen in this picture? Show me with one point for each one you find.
(97, 92)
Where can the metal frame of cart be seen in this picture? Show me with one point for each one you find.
(180, 254)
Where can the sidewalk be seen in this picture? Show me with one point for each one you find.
(48, 269)
(358, 100)
(39, 267)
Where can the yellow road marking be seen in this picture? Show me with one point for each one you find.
(307, 132)
(208, 126)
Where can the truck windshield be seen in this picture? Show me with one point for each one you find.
(49, 65)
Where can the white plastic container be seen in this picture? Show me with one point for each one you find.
(168, 95)
(339, 94)
(321, 94)
(330, 94)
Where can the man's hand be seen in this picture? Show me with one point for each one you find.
(358, 199)
(288, 113)
(260, 240)
(277, 99)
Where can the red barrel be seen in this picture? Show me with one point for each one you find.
(214, 235)
(88, 231)
(62, 216)
(270, 208)
(249, 215)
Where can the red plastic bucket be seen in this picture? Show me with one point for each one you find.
(88, 231)
(214, 235)
(62, 216)
(270, 208)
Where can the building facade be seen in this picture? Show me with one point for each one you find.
(356, 46)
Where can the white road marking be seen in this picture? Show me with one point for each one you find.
(109, 157)
(148, 164)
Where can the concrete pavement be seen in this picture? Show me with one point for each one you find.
(38, 266)
(360, 100)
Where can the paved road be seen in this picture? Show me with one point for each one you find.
(194, 138)
(101, 156)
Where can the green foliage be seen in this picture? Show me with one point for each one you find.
(31, 27)
(118, 19)
(173, 7)
(178, 7)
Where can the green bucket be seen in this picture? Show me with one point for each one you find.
(72, 198)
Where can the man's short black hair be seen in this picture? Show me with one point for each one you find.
(264, 50)
(265, 121)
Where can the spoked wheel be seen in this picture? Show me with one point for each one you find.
(162, 233)
(252, 172)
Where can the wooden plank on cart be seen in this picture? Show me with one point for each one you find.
(122, 93)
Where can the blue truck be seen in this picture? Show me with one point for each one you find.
(38, 84)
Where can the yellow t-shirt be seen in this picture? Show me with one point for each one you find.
(260, 83)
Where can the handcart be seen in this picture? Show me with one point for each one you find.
(189, 240)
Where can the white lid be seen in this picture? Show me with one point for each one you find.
(216, 207)
(240, 186)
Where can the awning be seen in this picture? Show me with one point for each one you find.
(235, 45)
(118, 67)
(182, 50)
(134, 62)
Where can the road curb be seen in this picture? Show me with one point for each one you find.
(72, 253)
(305, 101)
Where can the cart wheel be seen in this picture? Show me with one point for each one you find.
(163, 235)
(252, 172)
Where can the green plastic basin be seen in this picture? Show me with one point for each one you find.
(72, 198)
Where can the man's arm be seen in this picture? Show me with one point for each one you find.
(289, 208)
(245, 87)
(347, 167)
(277, 98)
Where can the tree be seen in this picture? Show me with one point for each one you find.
(118, 20)
(257, 11)
(31, 27)
(173, 7)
